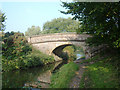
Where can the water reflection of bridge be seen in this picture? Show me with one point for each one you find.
(43, 80)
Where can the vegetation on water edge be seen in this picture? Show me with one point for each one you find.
(70, 50)
(103, 73)
(18, 54)
(62, 78)
(79, 50)
(69, 53)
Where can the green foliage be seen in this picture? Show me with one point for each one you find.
(18, 54)
(93, 59)
(34, 30)
(70, 51)
(103, 73)
(2, 20)
(62, 78)
(99, 75)
(33, 59)
(14, 45)
(98, 19)
(79, 50)
(60, 25)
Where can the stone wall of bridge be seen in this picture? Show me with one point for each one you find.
(48, 47)
(49, 42)
(57, 37)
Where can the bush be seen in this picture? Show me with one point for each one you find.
(20, 55)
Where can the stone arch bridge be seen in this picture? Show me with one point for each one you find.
(53, 44)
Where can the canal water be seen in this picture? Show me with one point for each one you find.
(37, 77)
(78, 56)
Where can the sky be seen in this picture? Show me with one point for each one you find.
(21, 15)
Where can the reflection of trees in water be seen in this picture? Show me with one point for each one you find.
(33, 77)
(43, 80)
(17, 79)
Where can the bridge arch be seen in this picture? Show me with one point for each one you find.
(60, 47)
(58, 51)
(49, 43)
(63, 44)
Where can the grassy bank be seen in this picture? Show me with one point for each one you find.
(62, 78)
(104, 73)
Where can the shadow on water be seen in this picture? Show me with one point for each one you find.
(59, 66)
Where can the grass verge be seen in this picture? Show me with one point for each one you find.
(103, 73)
(62, 78)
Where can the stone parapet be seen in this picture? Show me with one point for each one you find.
(47, 43)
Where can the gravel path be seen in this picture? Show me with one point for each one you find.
(75, 83)
(76, 80)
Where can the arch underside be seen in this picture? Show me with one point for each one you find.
(49, 47)
(62, 45)
(58, 51)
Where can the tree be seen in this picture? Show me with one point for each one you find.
(98, 19)
(60, 25)
(2, 20)
(15, 44)
(34, 30)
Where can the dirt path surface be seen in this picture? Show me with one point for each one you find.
(75, 83)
